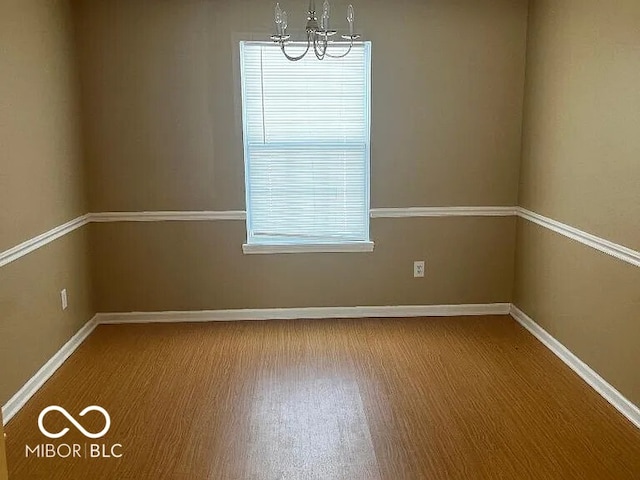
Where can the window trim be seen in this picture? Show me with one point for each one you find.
(346, 246)
(342, 247)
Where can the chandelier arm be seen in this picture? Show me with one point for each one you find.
(316, 45)
(322, 51)
(342, 55)
(295, 59)
(315, 48)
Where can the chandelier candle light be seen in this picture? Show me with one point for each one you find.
(318, 35)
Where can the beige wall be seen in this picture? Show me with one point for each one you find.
(162, 131)
(587, 300)
(582, 144)
(40, 187)
(163, 120)
(581, 166)
(200, 266)
(41, 170)
(161, 90)
(33, 326)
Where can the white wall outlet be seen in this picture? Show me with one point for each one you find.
(63, 298)
(418, 269)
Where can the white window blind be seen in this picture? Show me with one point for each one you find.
(306, 139)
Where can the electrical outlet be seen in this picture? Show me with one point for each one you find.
(63, 298)
(418, 269)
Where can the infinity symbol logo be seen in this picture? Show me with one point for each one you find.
(64, 431)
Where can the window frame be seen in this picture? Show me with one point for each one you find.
(367, 245)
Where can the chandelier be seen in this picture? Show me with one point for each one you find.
(318, 34)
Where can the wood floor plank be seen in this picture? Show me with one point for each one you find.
(380, 399)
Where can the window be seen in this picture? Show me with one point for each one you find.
(306, 150)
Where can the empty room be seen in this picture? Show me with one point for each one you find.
(309, 240)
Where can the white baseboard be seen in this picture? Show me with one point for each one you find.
(16, 402)
(615, 398)
(305, 313)
(600, 385)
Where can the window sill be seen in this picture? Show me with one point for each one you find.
(249, 249)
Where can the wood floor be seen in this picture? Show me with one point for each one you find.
(452, 398)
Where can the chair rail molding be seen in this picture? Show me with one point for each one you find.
(608, 247)
(605, 246)
(41, 240)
